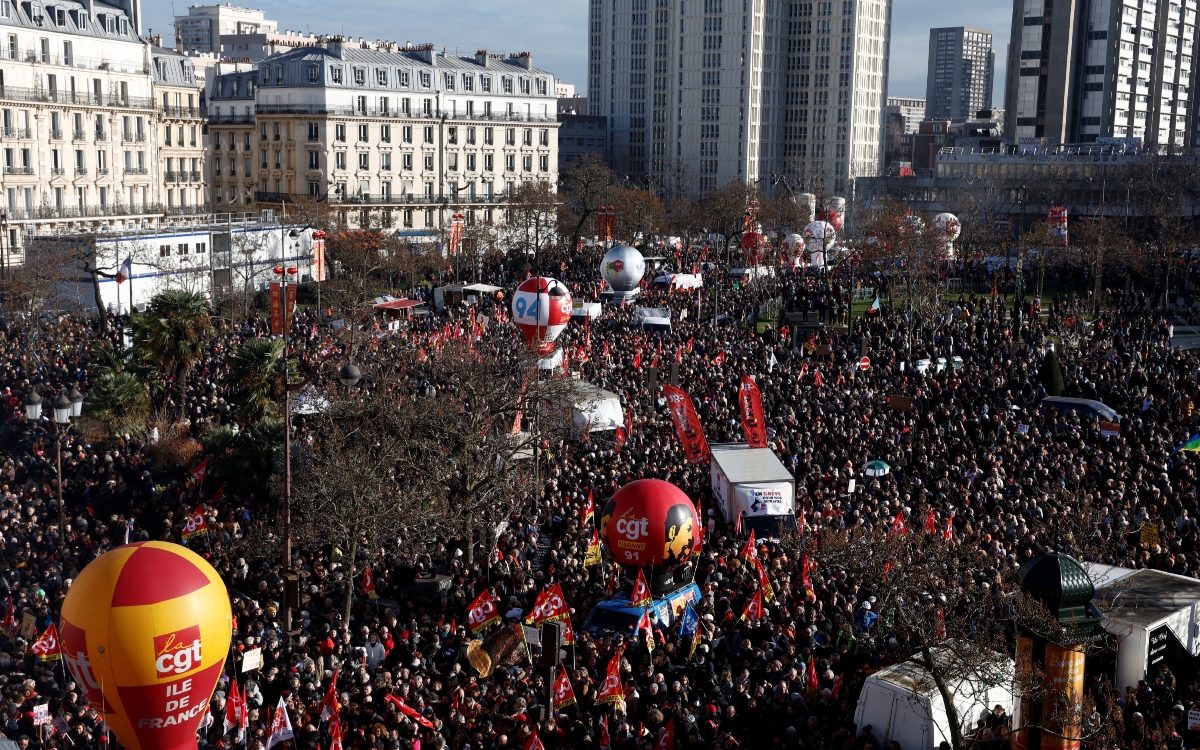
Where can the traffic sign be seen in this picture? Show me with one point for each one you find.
(864, 363)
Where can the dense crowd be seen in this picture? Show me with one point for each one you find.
(976, 448)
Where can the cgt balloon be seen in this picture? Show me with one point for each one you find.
(541, 308)
(145, 630)
(623, 268)
(650, 523)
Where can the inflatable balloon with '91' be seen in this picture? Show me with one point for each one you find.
(145, 630)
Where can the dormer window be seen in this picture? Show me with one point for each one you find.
(124, 27)
(468, 82)
(507, 83)
(278, 75)
(313, 74)
(381, 76)
(59, 16)
(402, 78)
(360, 76)
(426, 79)
(449, 81)
(335, 74)
(81, 20)
(110, 24)
(6, 8)
(524, 85)
(542, 87)
(485, 84)
(266, 75)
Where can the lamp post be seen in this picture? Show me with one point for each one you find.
(349, 375)
(63, 407)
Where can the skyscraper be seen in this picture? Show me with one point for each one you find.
(959, 82)
(701, 92)
(1078, 72)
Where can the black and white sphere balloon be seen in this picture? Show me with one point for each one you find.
(623, 268)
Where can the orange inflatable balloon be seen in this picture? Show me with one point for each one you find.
(145, 631)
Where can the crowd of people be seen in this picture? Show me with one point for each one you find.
(976, 449)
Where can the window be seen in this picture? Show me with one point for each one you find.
(427, 107)
(452, 135)
(544, 163)
(488, 138)
(452, 161)
(449, 79)
(314, 159)
(468, 82)
(485, 84)
(428, 133)
(335, 73)
(340, 159)
(488, 163)
(470, 162)
(510, 137)
(314, 131)
(313, 73)
(381, 76)
(339, 132)
(360, 76)
(385, 161)
(471, 136)
(183, 248)
(363, 133)
(364, 161)
(406, 133)
(507, 84)
(428, 162)
(164, 251)
(402, 78)
(385, 133)
(406, 161)
(527, 137)
(426, 79)
(527, 163)
(510, 163)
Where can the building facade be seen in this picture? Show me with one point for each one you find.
(80, 121)
(1113, 69)
(232, 141)
(907, 113)
(398, 136)
(579, 135)
(204, 25)
(961, 67)
(701, 92)
(181, 153)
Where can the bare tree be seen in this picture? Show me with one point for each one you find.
(585, 185)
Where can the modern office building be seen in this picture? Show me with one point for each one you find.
(204, 25)
(701, 92)
(1078, 72)
(79, 108)
(907, 113)
(405, 136)
(961, 66)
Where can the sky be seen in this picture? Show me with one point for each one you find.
(556, 31)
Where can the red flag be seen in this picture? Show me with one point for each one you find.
(737, 524)
(764, 583)
(667, 740)
(619, 438)
(949, 532)
(637, 361)
(244, 722)
(589, 512)
(411, 713)
(197, 474)
(753, 610)
(641, 592)
(628, 423)
(605, 740)
(941, 624)
(218, 497)
(47, 646)
(689, 343)
(801, 521)
(368, 584)
(564, 694)
(329, 704)
(533, 743)
(679, 356)
(837, 686)
(898, 525)
(817, 379)
(753, 424)
(483, 612)
(196, 524)
(749, 551)
(930, 523)
(612, 691)
(551, 606)
(814, 682)
(9, 626)
(606, 352)
(719, 360)
(687, 425)
(280, 726)
(234, 708)
(516, 428)
(645, 626)
(335, 733)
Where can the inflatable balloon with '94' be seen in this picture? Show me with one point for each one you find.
(653, 524)
(145, 630)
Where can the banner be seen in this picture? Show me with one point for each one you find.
(564, 694)
(196, 525)
(753, 424)
(687, 425)
(318, 245)
(277, 322)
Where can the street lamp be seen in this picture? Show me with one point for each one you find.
(33, 405)
(76, 399)
(62, 418)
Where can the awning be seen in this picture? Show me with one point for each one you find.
(397, 304)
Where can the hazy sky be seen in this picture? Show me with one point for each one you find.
(556, 32)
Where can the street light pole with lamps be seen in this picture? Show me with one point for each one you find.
(66, 406)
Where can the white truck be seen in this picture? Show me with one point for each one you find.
(754, 484)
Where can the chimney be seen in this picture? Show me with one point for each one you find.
(425, 53)
(481, 57)
(524, 59)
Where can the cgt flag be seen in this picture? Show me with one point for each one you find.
(612, 691)
(47, 645)
(483, 612)
(409, 711)
(753, 609)
(687, 425)
(564, 694)
(593, 556)
(368, 584)
(753, 424)
(641, 592)
(281, 726)
(196, 525)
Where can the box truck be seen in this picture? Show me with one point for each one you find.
(754, 484)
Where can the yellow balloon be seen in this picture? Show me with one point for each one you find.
(145, 631)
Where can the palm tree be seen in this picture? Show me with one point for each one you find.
(119, 400)
(172, 333)
(255, 380)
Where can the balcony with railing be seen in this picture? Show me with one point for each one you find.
(82, 98)
(180, 112)
(79, 212)
(402, 199)
(229, 118)
(195, 176)
(77, 62)
(56, 134)
(371, 111)
(136, 170)
(57, 171)
(15, 132)
(80, 171)
(79, 135)
(171, 176)
(102, 171)
(101, 136)
(18, 170)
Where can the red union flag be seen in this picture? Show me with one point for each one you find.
(47, 645)
(564, 694)
(551, 606)
(753, 424)
(368, 584)
(764, 583)
(641, 592)
(198, 473)
(687, 425)
(483, 612)
(753, 609)
(667, 740)
(196, 524)
(612, 691)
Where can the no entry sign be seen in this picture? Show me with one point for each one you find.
(864, 363)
